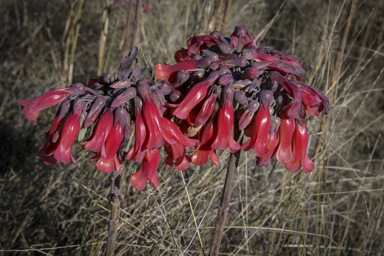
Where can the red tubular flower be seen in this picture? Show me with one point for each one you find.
(261, 126)
(241, 33)
(284, 65)
(225, 119)
(69, 133)
(292, 110)
(148, 170)
(207, 108)
(271, 145)
(151, 118)
(107, 161)
(195, 95)
(140, 135)
(165, 71)
(33, 107)
(60, 115)
(313, 99)
(173, 135)
(299, 145)
(207, 135)
(247, 116)
(285, 133)
(95, 110)
(100, 132)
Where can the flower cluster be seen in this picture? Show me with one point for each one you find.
(217, 84)
(225, 82)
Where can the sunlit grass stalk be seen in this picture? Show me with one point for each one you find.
(75, 29)
(103, 35)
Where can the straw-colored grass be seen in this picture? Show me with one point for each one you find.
(338, 209)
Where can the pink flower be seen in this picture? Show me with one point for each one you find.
(100, 132)
(69, 133)
(137, 152)
(177, 145)
(33, 107)
(313, 99)
(207, 136)
(299, 145)
(195, 95)
(271, 144)
(148, 170)
(109, 156)
(207, 108)
(261, 126)
(285, 133)
(151, 118)
(166, 71)
(225, 119)
(241, 33)
(292, 110)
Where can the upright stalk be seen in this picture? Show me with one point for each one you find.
(225, 199)
(115, 212)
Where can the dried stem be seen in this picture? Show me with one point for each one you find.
(115, 213)
(137, 22)
(335, 79)
(225, 17)
(103, 35)
(226, 198)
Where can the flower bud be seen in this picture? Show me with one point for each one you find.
(124, 97)
(241, 98)
(213, 55)
(166, 87)
(121, 84)
(225, 79)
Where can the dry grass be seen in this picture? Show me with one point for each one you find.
(60, 209)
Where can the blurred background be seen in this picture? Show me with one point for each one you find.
(338, 209)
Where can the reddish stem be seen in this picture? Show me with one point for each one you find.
(115, 212)
(226, 198)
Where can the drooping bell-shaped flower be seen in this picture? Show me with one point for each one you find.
(137, 152)
(207, 107)
(262, 126)
(33, 107)
(225, 120)
(107, 161)
(271, 142)
(247, 115)
(151, 118)
(69, 133)
(314, 100)
(148, 170)
(285, 133)
(299, 145)
(207, 136)
(195, 95)
(100, 132)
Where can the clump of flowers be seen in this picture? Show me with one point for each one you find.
(216, 84)
(224, 82)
